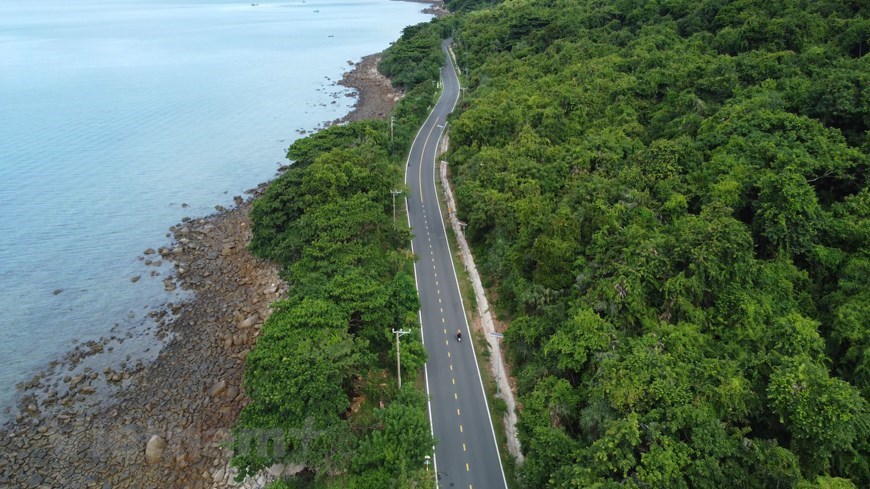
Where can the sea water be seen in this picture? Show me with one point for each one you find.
(120, 117)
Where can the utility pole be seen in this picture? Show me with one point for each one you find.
(395, 193)
(399, 332)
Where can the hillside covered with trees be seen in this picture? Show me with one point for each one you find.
(670, 201)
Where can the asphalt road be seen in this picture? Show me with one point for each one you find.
(466, 454)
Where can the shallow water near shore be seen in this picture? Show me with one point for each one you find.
(119, 118)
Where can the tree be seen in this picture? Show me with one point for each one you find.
(824, 414)
(403, 438)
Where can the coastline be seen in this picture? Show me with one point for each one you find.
(92, 431)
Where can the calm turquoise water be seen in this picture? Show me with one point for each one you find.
(114, 113)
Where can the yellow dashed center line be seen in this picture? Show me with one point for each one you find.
(456, 396)
(451, 368)
(467, 468)
(460, 429)
(457, 412)
(454, 381)
(464, 449)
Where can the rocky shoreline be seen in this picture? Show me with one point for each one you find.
(375, 94)
(165, 423)
(188, 397)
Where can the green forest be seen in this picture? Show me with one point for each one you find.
(322, 376)
(669, 201)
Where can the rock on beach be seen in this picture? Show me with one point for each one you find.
(154, 449)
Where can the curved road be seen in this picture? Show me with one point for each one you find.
(466, 454)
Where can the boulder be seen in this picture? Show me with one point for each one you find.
(154, 449)
(218, 388)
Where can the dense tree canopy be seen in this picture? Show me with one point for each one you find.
(670, 199)
(328, 222)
